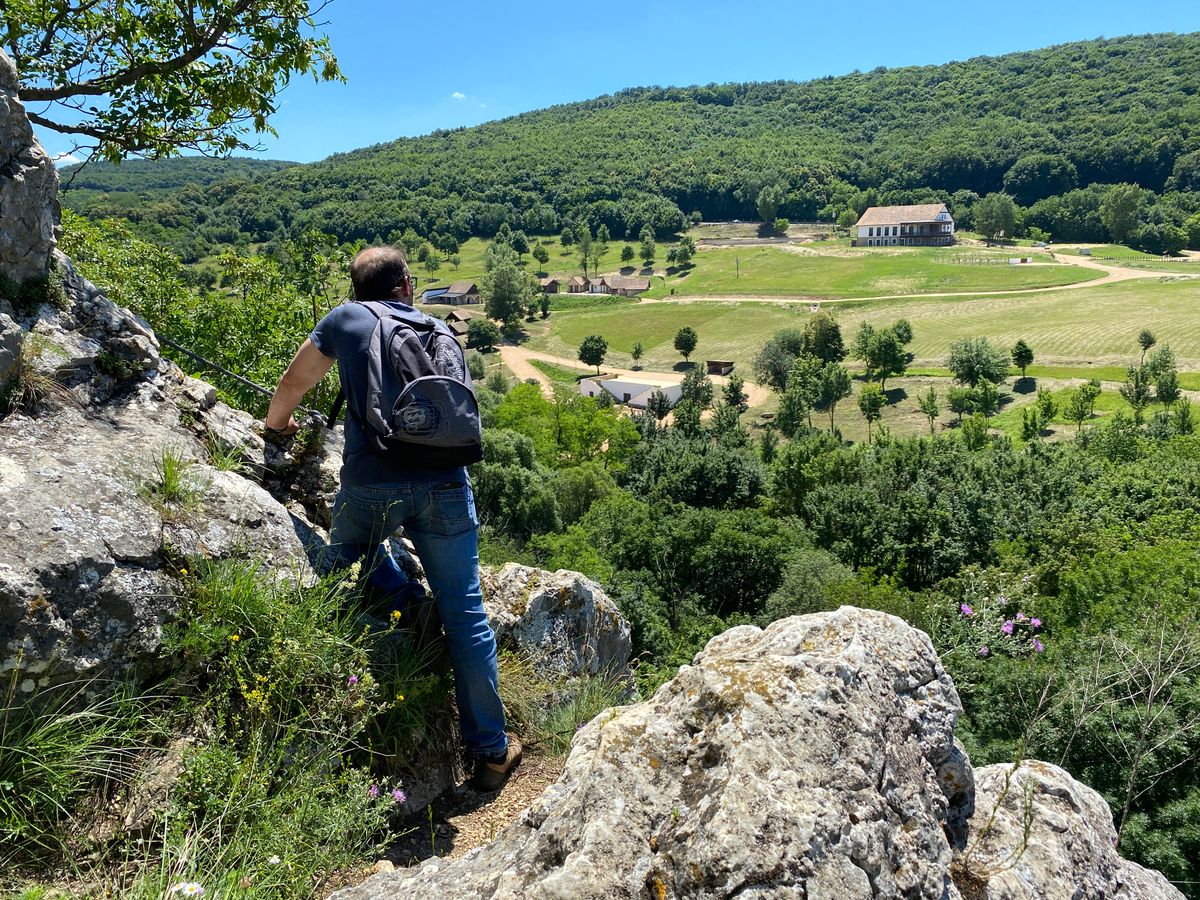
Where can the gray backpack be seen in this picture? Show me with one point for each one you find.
(420, 407)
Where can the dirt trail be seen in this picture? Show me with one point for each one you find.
(517, 359)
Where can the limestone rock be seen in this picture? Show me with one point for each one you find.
(1070, 853)
(796, 761)
(564, 621)
(11, 337)
(29, 205)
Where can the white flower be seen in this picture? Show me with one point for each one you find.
(274, 859)
(188, 889)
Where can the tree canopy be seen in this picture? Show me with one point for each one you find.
(154, 77)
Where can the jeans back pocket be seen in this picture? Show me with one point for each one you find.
(452, 510)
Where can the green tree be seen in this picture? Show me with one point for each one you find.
(871, 401)
(685, 341)
(455, 260)
(567, 236)
(636, 353)
(769, 200)
(975, 432)
(627, 253)
(929, 406)
(833, 384)
(1031, 424)
(1146, 340)
(687, 417)
(1078, 408)
(1047, 406)
(995, 215)
(1038, 175)
(823, 338)
(734, 393)
(592, 351)
(602, 234)
(507, 289)
(648, 250)
(847, 218)
(697, 388)
(987, 399)
(884, 356)
(541, 254)
(1136, 391)
(155, 77)
(1166, 388)
(1185, 421)
(483, 334)
(658, 404)
(973, 360)
(544, 304)
(961, 400)
(432, 263)
(1120, 209)
(780, 226)
(585, 252)
(1022, 356)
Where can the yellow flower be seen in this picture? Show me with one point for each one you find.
(396, 615)
(235, 637)
(400, 697)
(183, 571)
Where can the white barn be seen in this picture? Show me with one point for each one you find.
(920, 225)
(629, 390)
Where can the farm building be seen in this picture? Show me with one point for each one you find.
(718, 366)
(622, 285)
(549, 285)
(465, 315)
(922, 225)
(578, 285)
(460, 292)
(629, 390)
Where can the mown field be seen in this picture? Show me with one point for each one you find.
(833, 269)
(1086, 327)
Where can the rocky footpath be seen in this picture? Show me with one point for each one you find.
(813, 759)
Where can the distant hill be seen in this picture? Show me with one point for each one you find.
(1101, 111)
(143, 176)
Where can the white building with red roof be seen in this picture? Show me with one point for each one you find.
(921, 225)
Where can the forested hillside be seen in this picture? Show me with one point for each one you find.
(1037, 124)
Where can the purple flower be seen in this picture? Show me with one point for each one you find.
(966, 610)
(1035, 622)
(352, 681)
(1002, 599)
(1007, 627)
(373, 791)
(984, 651)
(1021, 617)
(399, 796)
(1037, 646)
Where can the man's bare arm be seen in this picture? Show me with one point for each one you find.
(306, 369)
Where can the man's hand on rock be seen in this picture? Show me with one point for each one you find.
(287, 431)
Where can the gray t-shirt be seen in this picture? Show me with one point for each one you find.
(345, 334)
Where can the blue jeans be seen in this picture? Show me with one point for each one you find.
(439, 518)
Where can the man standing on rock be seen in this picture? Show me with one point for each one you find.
(381, 491)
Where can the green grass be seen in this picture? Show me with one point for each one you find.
(557, 374)
(863, 272)
(1008, 420)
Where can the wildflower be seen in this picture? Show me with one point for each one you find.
(396, 615)
(235, 637)
(1038, 647)
(1035, 623)
(352, 681)
(400, 697)
(245, 883)
(966, 610)
(984, 651)
(273, 859)
(399, 796)
(1021, 617)
(1001, 599)
(1007, 627)
(183, 571)
(373, 791)
(188, 889)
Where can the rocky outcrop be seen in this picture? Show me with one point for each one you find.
(28, 188)
(813, 759)
(561, 620)
(1068, 853)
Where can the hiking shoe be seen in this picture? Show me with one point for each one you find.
(490, 775)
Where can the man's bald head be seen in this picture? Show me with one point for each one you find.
(380, 273)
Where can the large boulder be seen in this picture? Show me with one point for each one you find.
(563, 621)
(1068, 853)
(813, 759)
(810, 759)
(28, 189)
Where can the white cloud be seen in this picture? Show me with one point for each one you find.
(458, 95)
(67, 159)
(483, 106)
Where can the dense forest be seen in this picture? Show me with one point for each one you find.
(1049, 127)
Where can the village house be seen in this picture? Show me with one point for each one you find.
(460, 320)
(921, 225)
(578, 285)
(549, 285)
(621, 285)
(630, 390)
(457, 294)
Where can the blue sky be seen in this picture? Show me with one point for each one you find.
(416, 67)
